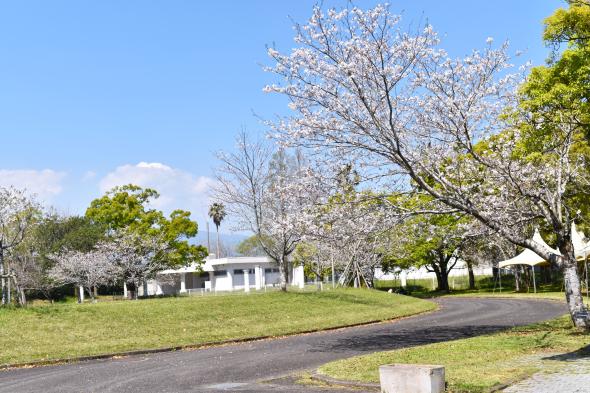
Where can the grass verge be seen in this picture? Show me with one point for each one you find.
(71, 330)
(475, 364)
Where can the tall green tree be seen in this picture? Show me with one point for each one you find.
(250, 247)
(127, 208)
(430, 241)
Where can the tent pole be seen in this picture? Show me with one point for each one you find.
(500, 277)
(587, 280)
(534, 281)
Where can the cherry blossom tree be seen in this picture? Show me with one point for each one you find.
(363, 89)
(85, 269)
(17, 213)
(348, 227)
(253, 183)
(135, 258)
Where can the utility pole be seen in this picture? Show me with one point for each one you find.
(208, 239)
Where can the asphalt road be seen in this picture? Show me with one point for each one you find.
(262, 365)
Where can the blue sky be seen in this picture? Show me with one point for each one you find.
(97, 93)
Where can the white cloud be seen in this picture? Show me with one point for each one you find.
(44, 184)
(178, 189)
(89, 175)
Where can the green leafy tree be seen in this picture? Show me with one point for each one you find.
(250, 247)
(430, 241)
(126, 209)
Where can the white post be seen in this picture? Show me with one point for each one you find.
(300, 277)
(231, 279)
(81, 292)
(246, 280)
(404, 278)
(211, 281)
(534, 281)
(125, 294)
(182, 282)
(257, 277)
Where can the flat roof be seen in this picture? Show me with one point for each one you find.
(210, 264)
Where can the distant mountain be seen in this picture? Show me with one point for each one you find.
(228, 241)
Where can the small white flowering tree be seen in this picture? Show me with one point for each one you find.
(17, 213)
(348, 226)
(362, 89)
(85, 269)
(254, 183)
(135, 258)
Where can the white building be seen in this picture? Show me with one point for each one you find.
(221, 274)
(460, 270)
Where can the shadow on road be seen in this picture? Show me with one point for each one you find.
(404, 338)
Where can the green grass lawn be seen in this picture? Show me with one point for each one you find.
(476, 364)
(485, 287)
(69, 330)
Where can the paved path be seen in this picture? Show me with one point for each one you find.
(571, 376)
(243, 367)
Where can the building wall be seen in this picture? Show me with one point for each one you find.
(459, 270)
(224, 277)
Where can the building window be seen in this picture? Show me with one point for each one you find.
(241, 271)
(268, 270)
(204, 274)
(218, 273)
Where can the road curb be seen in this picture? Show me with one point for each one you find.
(189, 347)
(316, 376)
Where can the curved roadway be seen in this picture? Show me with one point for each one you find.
(262, 365)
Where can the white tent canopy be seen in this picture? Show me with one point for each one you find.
(530, 258)
(581, 244)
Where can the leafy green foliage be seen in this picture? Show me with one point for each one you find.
(54, 232)
(250, 247)
(127, 208)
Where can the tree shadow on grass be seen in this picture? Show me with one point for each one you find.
(582, 353)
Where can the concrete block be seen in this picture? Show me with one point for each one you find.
(412, 378)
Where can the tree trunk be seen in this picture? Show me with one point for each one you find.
(442, 274)
(5, 298)
(21, 298)
(135, 289)
(442, 278)
(284, 275)
(218, 248)
(91, 294)
(8, 286)
(573, 296)
(573, 287)
(77, 293)
(471, 275)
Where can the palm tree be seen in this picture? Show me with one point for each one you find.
(217, 214)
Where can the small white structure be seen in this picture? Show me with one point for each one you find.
(221, 274)
(529, 257)
(412, 378)
(532, 259)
